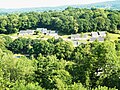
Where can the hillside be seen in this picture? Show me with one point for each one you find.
(108, 5)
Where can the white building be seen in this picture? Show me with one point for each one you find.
(42, 30)
(94, 34)
(92, 39)
(52, 33)
(102, 33)
(76, 43)
(26, 32)
(75, 37)
(30, 32)
(22, 32)
(100, 39)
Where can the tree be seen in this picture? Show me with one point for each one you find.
(94, 63)
(3, 24)
(64, 50)
(12, 23)
(49, 71)
(77, 86)
(43, 47)
(13, 69)
(20, 45)
(8, 40)
(29, 86)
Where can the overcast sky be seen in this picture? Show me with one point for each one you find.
(43, 3)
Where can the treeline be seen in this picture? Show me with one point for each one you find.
(56, 64)
(70, 20)
(58, 47)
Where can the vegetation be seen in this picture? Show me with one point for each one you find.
(70, 20)
(55, 64)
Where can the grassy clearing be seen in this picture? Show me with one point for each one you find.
(113, 37)
(65, 36)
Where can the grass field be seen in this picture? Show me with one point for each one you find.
(111, 36)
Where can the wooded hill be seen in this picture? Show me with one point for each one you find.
(71, 20)
(58, 65)
(55, 64)
(112, 5)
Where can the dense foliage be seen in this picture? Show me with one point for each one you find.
(55, 64)
(70, 20)
(60, 66)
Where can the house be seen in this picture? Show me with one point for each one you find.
(42, 30)
(75, 37)
(92, 39)
(47, 32)
(94, 34)
(39, 29)
(30, 32)
(100, 39)
(84, 37)
(22, 32)
(76, 43)
(102, 33)
(19, 55)
(26, 32)
(52, 33)
(57, 37)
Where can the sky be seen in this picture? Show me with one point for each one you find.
(43, 3)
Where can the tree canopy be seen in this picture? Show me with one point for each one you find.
(71, 20)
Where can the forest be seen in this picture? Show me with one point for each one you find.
(69, 21)
(55, 64)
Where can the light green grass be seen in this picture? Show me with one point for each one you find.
(113, 37)
(65, 36)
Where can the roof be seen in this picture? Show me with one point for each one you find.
(22, 32)
(26, 31)
(44, 30)
(92, 39)
(39, 29)
(30, 31)
(85, 35)
(76, 43)
(94, 34)
(52, 32)
(75, 36)
(100, 39)
(102, 33)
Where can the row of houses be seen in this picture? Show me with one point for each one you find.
(76, 37)
(42, 30)
(94, 36)
(97, 36)
(47, 32)
(26, 32)
(100, 39)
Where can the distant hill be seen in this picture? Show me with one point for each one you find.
(108, 5)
